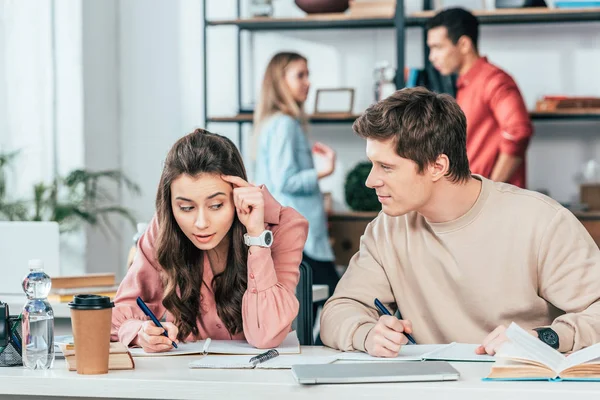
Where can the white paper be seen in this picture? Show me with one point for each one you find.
(413, 352)
(243, 362)
(290, 345)
(422, 352)
(458, 352)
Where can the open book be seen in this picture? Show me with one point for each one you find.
(243, 362)
(422, 352)
(290, 345)
(525, 357)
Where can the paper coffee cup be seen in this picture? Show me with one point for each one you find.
(91, 321)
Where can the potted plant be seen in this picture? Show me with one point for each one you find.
(77, 199)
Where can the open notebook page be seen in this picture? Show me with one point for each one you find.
(413, 352)
(418, 352)
(239, 362)
(457, 352)
(290, 345)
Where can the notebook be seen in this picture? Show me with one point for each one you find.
(243, 362)
(374, 372)
(525, 357)
(118, 357)
(290, 345)
(425, 352)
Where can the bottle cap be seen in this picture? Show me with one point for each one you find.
(36, 264)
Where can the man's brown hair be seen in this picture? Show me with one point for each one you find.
(423, 125)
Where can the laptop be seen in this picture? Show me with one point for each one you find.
(371, 372)
(20, 242)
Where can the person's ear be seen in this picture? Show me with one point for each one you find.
(439, 168)
(465, 44)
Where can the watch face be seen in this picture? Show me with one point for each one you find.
(550, 337)
(268, 238)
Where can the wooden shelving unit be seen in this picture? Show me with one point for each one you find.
(399, 23)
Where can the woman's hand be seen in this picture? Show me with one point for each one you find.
(329, 155)
(151, 338)
(249, 203)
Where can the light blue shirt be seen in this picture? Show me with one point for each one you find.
(284, 164)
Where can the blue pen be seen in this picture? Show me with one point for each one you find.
(150, 314)
(385, 311)
(16, 343)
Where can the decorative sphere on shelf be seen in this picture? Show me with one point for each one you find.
(358, 196)
(322, 6)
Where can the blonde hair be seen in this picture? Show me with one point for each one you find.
(275, 96)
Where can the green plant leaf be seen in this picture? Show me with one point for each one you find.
(79, 198)
(15, 211)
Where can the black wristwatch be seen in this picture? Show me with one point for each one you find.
(548, 336)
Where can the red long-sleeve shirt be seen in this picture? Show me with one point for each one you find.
(497, 118)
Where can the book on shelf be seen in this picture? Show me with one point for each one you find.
(119, 356)
(66, 295)
(80, 281)
(524, 357)
(373, 8)
(567, 104)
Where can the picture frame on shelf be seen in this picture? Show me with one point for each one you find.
(334, 101)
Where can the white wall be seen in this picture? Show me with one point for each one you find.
(27, 93)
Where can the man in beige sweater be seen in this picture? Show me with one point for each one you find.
(459, 255)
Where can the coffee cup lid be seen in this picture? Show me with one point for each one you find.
(91, 302)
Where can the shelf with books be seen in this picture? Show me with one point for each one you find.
(398, 22)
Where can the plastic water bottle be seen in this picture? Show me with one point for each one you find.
(38, 319)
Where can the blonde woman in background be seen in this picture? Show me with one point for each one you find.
(284, 159)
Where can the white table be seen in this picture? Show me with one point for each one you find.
(170, 378)
(62, 314)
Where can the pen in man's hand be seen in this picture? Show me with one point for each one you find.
(385, 311)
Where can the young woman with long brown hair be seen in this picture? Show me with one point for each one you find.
(220, 259)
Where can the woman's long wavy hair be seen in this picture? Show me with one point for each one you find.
(200, 152)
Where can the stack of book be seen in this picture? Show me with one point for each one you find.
(372, 8)
(568, 104)
(119, 357)
(65, 287)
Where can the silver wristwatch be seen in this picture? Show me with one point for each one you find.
(264, 240)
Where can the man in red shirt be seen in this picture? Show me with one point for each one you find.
(498, 124)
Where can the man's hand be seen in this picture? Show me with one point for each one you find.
(387, 336)
(494, 340)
